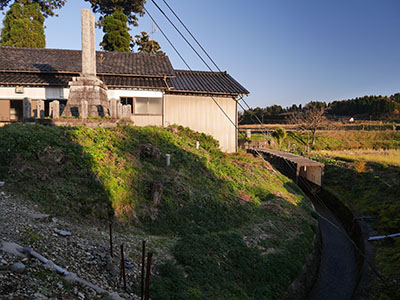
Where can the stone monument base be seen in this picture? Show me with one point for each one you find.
(93, 92)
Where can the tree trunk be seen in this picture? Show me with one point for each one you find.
(313, 137)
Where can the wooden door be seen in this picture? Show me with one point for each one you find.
(5, 110)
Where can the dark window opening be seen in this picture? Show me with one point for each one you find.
(16, 110)
(127, 101)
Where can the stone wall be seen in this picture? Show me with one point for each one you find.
(90, 123)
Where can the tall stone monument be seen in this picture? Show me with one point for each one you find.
(87, 87)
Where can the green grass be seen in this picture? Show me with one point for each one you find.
(222, 215)
(372, 189)
(238, 272)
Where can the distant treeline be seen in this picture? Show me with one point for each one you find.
(367, 107)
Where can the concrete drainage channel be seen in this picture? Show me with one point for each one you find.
(343, 273)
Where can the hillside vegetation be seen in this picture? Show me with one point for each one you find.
(236, 229)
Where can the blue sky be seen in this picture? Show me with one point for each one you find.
(282, 51)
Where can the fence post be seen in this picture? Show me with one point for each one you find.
(147, 292)
(143, 266)
(123, 265)
(111, 242)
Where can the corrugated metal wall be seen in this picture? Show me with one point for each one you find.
(147, 120)
(201, 114)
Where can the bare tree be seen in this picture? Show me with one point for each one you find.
(310, 119)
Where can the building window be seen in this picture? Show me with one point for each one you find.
(126, 101)
(148, 106)
(143, 105)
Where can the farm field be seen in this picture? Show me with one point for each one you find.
(336, 140)
(388, 157)
(333, 126)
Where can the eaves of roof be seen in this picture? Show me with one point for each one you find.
(69, 61)
(201, 82)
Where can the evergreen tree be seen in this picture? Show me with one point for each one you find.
(116, 37)
(47, 7)
(146, 45)
(130, 8)
(23, 26)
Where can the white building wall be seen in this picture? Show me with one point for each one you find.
(203, 115)
(149, 120)
(42, 93)
(35, 93)
(116, 94)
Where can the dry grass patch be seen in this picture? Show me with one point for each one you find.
(389, 157)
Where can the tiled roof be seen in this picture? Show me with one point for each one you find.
(135, 82)
(61, 80)
(206, 82)
(69, 61)
(28, 66)
(16, 78)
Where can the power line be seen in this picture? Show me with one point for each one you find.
(201, 47)
(215, 101)
(165, 36)
(180, 33)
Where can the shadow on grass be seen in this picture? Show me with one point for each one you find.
(374, 191)
(206, 200)
(42, 164)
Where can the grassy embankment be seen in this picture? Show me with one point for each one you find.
(369, 182)
(237, 230)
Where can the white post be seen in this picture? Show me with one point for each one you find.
(248, 133)
(167, 160)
